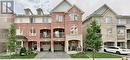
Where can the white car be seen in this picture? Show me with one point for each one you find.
(117, 50)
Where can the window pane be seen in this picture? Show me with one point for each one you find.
(4, 7)
(128, 21)
(59, 18)
(108, 19)
(73, 16)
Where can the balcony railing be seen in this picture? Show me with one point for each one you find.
(60, 35)
(45, 36)
(120, 36)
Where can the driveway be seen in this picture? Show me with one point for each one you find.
(52, 55)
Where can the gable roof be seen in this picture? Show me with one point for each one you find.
(119, 7)
(77, 8)
(67, 9)
(100, 12)
(59, 4)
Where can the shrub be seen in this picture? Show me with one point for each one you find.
(23, 51)
(29, 52)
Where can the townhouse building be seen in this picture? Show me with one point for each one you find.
(61, 30)
(115, 28)
(6, 18)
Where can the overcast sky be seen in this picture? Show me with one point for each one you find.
(121, 7)
(46, 5)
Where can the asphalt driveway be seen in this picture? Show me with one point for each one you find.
(52, 55)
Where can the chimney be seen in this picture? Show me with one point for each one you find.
(28, 11)
(39, 11)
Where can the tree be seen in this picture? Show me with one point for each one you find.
(93, 38)
(11, 39)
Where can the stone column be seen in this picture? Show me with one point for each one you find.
(52, 46)
(21, 43)
(125, 44)
(38, 46)
(66, 46)
(81, 43)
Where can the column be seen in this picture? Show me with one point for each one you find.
(66, 46)
(21, 43)
(52, 46)
(125, 44)
(115, 43)
(81, 43)
(38, 46)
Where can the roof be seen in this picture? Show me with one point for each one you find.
(120, 7)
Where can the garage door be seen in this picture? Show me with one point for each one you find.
(58, 46)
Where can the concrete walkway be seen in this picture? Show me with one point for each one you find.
(52, 55)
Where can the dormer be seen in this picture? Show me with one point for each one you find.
(28, 11)
(39, 11)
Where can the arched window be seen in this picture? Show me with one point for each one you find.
(74, 30)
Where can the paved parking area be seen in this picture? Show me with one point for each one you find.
(52, 55)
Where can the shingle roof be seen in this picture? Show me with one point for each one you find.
(120, 7)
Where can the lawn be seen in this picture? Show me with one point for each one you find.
(97, 55)
(17, 56)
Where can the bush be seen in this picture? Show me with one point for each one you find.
(29, 52)
(23, 51)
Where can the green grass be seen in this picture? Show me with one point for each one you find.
(97, 55)
(17, 56)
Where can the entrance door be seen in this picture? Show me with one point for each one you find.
(58, 46)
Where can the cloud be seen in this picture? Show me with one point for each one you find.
(46, 5)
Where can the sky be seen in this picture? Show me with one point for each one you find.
(47, 5)
(121, 7)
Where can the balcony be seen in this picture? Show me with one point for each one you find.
(120, 36)
(45, 34)
(58, 33)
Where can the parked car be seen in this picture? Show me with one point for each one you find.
(117, 50)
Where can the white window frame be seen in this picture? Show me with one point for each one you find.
(121, 21)
(32, 20)
(73, 16)
(59, 18)
(45, 20)
(19, 31)
(108, 19)
(32, 33)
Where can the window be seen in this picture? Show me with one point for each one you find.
(97, 20)
(120, 30)
(7, 6)
(74, 30)
(45, 20)
(128, 21)
(108, 20)
(121, 21)
(59, 18)
(32, 20)
(19, 31)
(33, 32)
(73, 16)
